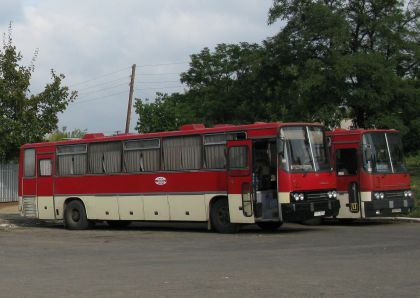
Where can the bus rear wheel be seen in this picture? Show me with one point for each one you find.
(269, 225)
(220, 218)
(75, 217)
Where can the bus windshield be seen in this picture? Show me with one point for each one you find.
(303, 149)
(383, 153)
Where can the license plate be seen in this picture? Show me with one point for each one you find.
(397, 210)
(319, 213)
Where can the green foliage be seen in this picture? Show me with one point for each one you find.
(331, 60)
(167, 113)
(26, 117)
(413, 164)
(63, 134)
(366, 58)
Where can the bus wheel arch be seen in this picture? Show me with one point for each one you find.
(219, 217)
(75, 216)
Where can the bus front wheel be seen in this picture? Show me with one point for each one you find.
(75, 217)
(220, 218)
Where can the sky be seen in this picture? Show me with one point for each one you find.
(94, 43)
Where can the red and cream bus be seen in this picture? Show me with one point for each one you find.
(227, 175)
(372, 180)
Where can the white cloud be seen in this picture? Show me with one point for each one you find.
(84, 39)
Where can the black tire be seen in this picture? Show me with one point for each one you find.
(75, 216)
(118, 223)
(316, 221)
(269, 225)
(220, 219)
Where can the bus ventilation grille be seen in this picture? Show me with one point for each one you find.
(29, 207)
(314, 196)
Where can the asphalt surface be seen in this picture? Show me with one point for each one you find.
(42, 259)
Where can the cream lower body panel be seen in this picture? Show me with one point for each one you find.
(344, 211)
(194, 207)
(365, 196)
(236, 212)
(283, 197)
(45, 207)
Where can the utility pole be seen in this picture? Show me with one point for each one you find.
(130, 99)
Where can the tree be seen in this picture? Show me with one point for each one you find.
(333, 59)
(26, 117)
(359, 57)
(63, 134)
(221, 89)
(167, 112)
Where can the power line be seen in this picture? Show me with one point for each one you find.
(164, 64)
(99, 76)
(99, 98)
(119, 93)
(125, 68)
(103, 89)
(153, 82)
(158, 74)
(103, 83)
(160, 88)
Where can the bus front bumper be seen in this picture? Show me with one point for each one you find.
(294, 212)
(388, 207)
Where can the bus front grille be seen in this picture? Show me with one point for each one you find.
(29, 207)
(394, 194)
(314, 196)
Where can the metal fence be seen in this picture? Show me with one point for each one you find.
(8, 182)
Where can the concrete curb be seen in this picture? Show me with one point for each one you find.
(409, 219)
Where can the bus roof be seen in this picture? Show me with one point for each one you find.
(188, 129)
(358, 131)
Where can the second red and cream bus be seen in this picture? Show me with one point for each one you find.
(372, 180)
(227, 175)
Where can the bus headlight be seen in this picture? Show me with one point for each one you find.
(298, 196)
(334, 194)
(408, 193)
(379, 195)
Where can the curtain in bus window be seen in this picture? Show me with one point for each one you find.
(29, 163)
(132, 161)
(214, 150)
(65, 165)
(96, 158)
(215, 156)
(191, 152)
(105, 158)
(172, 153)
(79, 164)
(45, 167)
(238, 157)
(150, 160)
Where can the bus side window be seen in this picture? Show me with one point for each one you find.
(29, 163)
(45, 167)
(346, 161)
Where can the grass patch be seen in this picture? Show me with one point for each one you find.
(413, 165)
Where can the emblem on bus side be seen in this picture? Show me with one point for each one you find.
(160, 180)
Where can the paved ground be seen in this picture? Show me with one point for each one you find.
(39, 259)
